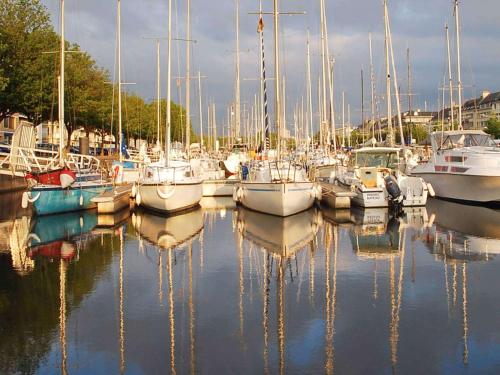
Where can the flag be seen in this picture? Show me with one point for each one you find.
(260, 27)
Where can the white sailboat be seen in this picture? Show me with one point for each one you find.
(169, 185)
(277, 188)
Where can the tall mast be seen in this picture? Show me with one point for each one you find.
(61, 89)
(395, 81)
(323, 68)
(410, 126)
(363, 105)
(119, 32)
(372, 84)
(188, 76)
(158, 92)
(277, 76)
(388, 79)
(169, 73)
(237, 94)
(330, 80)
(309, 92)
(201, 110)
(343, 119)
(450, 79)
(459, 68)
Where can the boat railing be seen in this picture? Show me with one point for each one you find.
(22, 159)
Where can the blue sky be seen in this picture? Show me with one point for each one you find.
(417, 25)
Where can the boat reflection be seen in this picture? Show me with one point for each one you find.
(168, 232)
(463, 232)
(281, 236)
(58, 236)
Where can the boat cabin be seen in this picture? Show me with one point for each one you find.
(460, 138)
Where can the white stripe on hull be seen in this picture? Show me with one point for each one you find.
(280, 199)
(180, 196)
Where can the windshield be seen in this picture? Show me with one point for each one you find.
(467, 140)
(377, 159)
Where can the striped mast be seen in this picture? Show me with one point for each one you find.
(61, 90)
(263, 84)
(169, 94)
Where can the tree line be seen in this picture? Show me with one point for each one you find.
(29, 69)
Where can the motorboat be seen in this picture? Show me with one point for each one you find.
(377, 176)
(464, 166)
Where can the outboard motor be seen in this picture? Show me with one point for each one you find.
(395, 197)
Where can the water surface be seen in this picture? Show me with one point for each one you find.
(221, 289)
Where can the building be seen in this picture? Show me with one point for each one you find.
(9, 124)
(476, 112)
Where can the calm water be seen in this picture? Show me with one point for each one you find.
(223, 290)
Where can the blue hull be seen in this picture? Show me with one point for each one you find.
(57, 200)
(63, 227)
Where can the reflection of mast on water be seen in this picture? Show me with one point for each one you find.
(191, 310)
(122, 322)
(396, 304)
(265, 313)
(311, 270)
(281, 316)
(464, 310)
(331, 298)
(171, 313)
(62, 314)
(160, 278)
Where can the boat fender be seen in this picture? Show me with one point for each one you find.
(431, 190)
(81, 199)
(133, 193)
(319, 192)
(238, 194)
(67, 178)
(28, 199)
(167, 195)
(138, 199)
(392, 187)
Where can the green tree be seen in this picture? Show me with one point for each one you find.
(25, 70)
(493, 127)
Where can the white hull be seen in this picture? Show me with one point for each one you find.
(483, 189)
(113, 201)
(219, 188)
(280, 199)
(170, 198)
(370, 198)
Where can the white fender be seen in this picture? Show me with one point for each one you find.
(81, 199)
(431, 190)
(133, 193)
(138, 199)
(24, 200)
(319, 192)
(163, 195)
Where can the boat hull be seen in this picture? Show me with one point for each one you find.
(11, 182)
(479, 189)
(279, 199)
(218, 188)
(178, 197)
(113, 201)
(55, 199)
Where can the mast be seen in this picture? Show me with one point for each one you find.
(277, 77)
(396, 88)
(158, 93)
(372, 78)
(363, 105)
(330, 80)
(61, 89)
(450, 79)
(309, 92)
(459, 76)
(237, 94)
(201, 110)
(409, 94)
(188, 76)
(169, 73)
(263, 85)
(388, 79)
(343, 119)
(119, 26)
(323, 68)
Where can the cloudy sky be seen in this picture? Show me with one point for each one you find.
(417, 25)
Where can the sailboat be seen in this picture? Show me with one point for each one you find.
(73, 180)
(465, 164)
(279, 188)
(169, 185)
